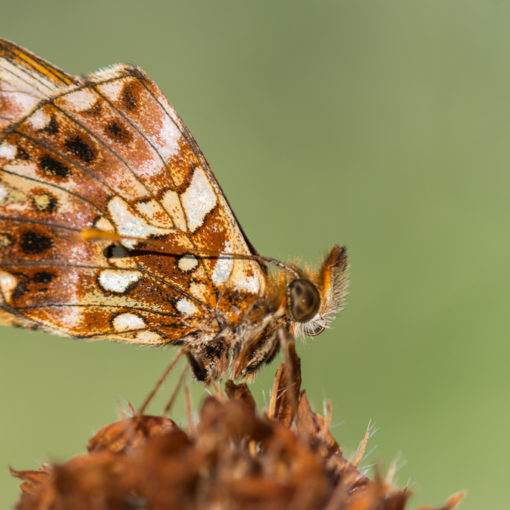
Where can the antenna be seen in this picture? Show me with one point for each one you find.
(94, 234)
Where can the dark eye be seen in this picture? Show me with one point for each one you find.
(304, 300)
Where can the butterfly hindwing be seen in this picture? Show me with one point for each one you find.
(25, 80)
(108, 152)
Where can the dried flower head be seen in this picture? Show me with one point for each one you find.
(234, 457)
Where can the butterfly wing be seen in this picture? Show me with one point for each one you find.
(107, 151)
(25, 80)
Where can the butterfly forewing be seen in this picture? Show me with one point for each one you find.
(107, 151)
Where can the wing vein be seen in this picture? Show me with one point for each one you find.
(27, 58)
(91, 305)
(105, 146)
(39, 222)
(30, 84)
(206, 167)
(135, 126)
(53, 185)
(60, 154)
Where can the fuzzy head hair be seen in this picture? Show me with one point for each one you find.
(325, 297)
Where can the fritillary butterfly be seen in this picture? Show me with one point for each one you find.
(106, 156)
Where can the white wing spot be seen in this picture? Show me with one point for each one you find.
(80, 100)
(198, 290)
(39, 119)
(166, 140)
(249, 284)
(71, 317)
(129, 224)
(154, 213)
(198, 200)
(8, 151)
(150, 167)
(23, 102)
(148, 337)
(104, 224)
(223, 267)
(187, 263)
(186, 307)
(112, 89)
(127, 321)
(113, 280)
(7, 284)
(171, 203)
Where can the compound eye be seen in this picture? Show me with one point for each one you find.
(304, 300)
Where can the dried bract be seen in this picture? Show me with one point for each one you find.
(233, 458)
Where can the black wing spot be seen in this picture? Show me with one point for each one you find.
(118, 132)
(52, 127)
(115, 251)
(128, 97)
(22, 154)
(43, 277)
(80, 149)
(33, 242)
(53, 167)
(20, 289)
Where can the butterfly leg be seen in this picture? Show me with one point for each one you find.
(197, 367)
(209, 361)
(251, 353)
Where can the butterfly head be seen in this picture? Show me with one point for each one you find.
(314, 299)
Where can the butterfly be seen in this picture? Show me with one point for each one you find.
(112, 225)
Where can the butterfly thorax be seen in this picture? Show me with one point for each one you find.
(248, 333)
(294, 302)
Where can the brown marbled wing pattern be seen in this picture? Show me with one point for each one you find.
(108, 151)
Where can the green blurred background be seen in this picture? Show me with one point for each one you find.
(382, 125)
